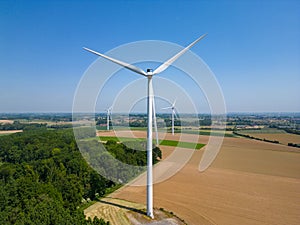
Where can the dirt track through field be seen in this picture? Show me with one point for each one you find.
(250, 182)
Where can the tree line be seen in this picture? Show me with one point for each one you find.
(255, 138)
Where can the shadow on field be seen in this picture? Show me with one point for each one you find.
(124, 207)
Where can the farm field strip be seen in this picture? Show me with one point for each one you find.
(205, 132)
(6, 132)
(209, 132)
(263, 131)
(281, 136)
(189, 145)
(182, 144)
(6, 121)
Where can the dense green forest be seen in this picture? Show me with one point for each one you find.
(45, 180)
(120, 162)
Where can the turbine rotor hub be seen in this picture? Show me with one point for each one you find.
(149, 72)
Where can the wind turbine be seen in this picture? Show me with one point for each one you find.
(173, 114)
(149, 74)
(108, 114)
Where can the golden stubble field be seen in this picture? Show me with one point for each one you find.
(6, 121)
(10, 131)
(250, 182)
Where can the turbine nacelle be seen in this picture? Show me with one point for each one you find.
(149, 72)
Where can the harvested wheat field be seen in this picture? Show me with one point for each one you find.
(250, 182)
(118, 211)
(6, 121)
(10, 131)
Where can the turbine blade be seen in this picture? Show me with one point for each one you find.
(166, 64)
(173, 105)
(167, 107)
(124, 64)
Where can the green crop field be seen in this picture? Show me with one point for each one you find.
(189, 145)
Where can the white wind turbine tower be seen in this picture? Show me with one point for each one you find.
(108, 115)
(154, 118)
(149, 74)
(173, 114)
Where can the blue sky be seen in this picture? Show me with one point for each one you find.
(253, 47)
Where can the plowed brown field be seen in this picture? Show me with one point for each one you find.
(250, 182)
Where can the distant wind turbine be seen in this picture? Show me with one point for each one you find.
(149, 74)
(108, 115)
(173, 114)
